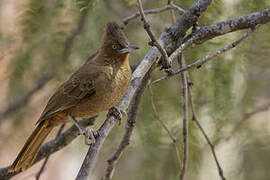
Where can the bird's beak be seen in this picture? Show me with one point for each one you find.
(129, 48)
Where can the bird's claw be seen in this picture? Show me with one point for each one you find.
(117, 113)
(89, 135)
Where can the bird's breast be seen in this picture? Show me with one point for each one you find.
(109, 92)
(117, 88)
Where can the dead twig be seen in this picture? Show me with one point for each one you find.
(185, 118)
(146, 25)
(265, 107)
(246, 117)
(170, 7)
(194, 119)
(171, 12)
(163, 125)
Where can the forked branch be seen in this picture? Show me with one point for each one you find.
(167, 62)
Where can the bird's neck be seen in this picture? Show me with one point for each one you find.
(112, 59)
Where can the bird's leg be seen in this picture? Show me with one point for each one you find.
(88, 133)
(118, 113)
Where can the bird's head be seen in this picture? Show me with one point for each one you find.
(115, 42)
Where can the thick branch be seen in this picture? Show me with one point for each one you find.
(208, 32)
(178, 30)
(207, 58)
(221, 28)
(235, 24)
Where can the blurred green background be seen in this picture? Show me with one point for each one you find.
(32, 38)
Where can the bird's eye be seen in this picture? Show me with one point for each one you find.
(114, 46)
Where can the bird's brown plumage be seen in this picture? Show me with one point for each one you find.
(97, 86)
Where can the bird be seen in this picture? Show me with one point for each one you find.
(96, 86)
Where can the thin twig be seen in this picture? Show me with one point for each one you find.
(265, 107)
(171, 12)
(146, 25)
(205, 59)
(246, 117)
(185, 119)
(51, 72)
(177, 8)
(131, 120)
(194, 119)
(47, 158)
(154, 11)
(163, 125)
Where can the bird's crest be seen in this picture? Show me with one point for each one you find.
(115, 33)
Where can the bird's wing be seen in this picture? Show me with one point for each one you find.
(81, 85)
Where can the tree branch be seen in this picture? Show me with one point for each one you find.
(194, 119)
(207, 58)
(130, 124)
(167, 62)
(235, 24)
(151, 57)
(153, 11)
(107, 126)
(185, 118)
(171, 11)
(246, 117)
(243, 22)
(163, 125)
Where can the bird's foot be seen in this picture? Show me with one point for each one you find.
(117, 113)
(88, 133)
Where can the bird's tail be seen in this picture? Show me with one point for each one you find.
(30, 149)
